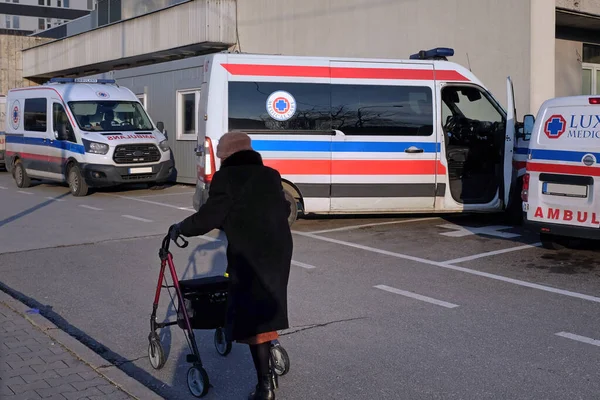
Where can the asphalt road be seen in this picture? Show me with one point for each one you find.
(390, 308)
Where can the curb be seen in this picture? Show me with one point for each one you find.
(110, 372)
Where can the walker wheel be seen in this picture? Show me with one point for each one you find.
(222, 345)
(197, 381)
(280, 360)
(156, 353)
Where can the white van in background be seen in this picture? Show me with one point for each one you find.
(363, 136)
(2, 127)
(561, 189)
(87, 132)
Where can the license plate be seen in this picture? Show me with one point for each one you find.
(141, 170)
(559, 189)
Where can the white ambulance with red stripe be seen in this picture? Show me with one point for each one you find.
(364, 136)
(561, 190)
(87, 132)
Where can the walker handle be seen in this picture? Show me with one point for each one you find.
(184, 243)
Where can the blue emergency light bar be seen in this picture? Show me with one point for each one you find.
(82, 80)
(439, 53)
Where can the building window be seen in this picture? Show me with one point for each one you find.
(58, 3)
(48, 2)
(591, 80)
(7, 21)
(591, 53)
(67, 3)
(40, 2)
(41, 23)
(187, 114)
(35, 115)
(16, 22)
(90, 4)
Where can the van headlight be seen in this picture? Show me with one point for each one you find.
(164, 145)
(95, 147)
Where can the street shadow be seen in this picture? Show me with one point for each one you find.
(31, 210)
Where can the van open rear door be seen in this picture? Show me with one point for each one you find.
(509, 141)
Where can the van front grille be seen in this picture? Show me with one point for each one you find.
(136, 154)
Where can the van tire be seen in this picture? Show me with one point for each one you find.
(550, 242)
(21, 178)
(77, 183)
(293, 207)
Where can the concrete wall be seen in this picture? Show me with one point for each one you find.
(568, 68)
(11, 65)
(494, 34)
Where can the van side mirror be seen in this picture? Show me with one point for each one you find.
(528, 122)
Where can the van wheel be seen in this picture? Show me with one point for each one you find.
(77, 184)
(21, 178)
(293, 208)
(550, 242)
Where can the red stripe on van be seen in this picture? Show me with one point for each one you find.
(356, 167)
(38, 157)
(342, 72)
(563, 169)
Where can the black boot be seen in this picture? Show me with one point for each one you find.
(261, 355)
(264, 389)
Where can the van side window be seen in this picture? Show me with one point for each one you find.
(382, 110)
(35, 115)
(248, 108)
(61, 123)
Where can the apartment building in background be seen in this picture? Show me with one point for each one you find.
(26, 17)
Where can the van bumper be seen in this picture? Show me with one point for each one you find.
(563, 230)
(101, 175)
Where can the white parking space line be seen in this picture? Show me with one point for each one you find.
(578, 338)
(454, 268)
(154, 202)
(165, 194)
(136, 218)
(459, 231)
(493, 253)
(54, 199)
(352, 227)
(2, 187)
(303, 265)
(90, 207)
(24, 192)
(416, 296)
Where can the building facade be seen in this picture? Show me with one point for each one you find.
(34, 16)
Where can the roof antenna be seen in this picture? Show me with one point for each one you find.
(469, 62)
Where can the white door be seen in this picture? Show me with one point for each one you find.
(385, 151)
(509, 141)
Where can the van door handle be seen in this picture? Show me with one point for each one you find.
(413, 149)
(199, 151)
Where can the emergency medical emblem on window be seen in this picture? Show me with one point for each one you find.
(281, 105)
(15, 115)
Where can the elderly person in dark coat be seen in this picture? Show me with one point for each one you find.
(246, 200)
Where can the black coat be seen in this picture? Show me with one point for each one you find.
(246, 200)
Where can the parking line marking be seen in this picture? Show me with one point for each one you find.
(454, 268)
(459, 231)
(165, 194)
(54, 199)
(24, 192)
(153, 202)
(2, 187)
(493, 253)
(90, 207)
(578, 338)
(303, 265)
(348, 228)
(416, 296)
(137, 218)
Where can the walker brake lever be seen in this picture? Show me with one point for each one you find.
(184, 243)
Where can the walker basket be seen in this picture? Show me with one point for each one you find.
(205, 300)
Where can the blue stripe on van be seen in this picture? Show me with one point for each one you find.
(358, 147)
(522, 150)
(561, 155)
(57, 144)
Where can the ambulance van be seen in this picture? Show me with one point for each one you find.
(365, 136)
(86, 132)
(561, 189)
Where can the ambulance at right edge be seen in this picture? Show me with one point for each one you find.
(561, 189)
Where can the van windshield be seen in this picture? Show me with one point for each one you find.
(110, 116)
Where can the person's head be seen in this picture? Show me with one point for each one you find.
(233, 142)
